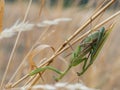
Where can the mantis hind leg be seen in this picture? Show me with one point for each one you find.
(85, 66)
(91, 62)
(85, 62)
(92, 53)
(83, 71)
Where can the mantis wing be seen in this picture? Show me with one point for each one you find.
(107, 33)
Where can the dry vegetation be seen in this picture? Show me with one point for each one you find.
(104, 74)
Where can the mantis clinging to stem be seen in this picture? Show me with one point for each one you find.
(86, 52)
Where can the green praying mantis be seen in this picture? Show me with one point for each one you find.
(85, 53)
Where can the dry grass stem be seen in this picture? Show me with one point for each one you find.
(41, 7)
(17, 39)
(2, 5)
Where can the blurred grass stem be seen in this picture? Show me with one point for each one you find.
(15, 45)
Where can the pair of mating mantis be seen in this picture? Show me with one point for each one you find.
(85, 53)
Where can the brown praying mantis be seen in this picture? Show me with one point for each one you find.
(85, 53)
